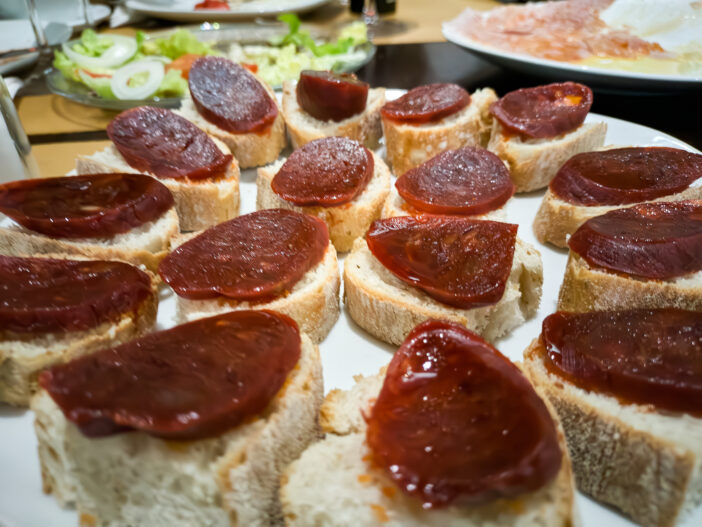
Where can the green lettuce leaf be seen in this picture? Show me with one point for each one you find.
(179, 43)
(66, 66)
(172, 85)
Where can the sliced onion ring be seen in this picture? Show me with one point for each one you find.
(122, 49)
(120, 79)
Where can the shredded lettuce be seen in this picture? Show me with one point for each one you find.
(172, 85)
(100, 85)
(92, 45)
(175, 45)
(350, 36)
(66, 66)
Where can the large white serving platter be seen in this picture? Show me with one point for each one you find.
(183, 10)
(346, 352)
(591, 75)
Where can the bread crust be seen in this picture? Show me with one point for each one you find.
(231, 479)
(200, 204)
(303, 128)
(365, 496)
(388, 309)
(643, 474)
(533, 164)
(557, 219)
(15, 242)
(345, 222)
(585, 288)
(313, 302)
(411, 145)
(24, 356)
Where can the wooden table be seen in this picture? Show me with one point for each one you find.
(416, 54)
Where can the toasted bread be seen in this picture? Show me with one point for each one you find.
(136, 479)
(200, 204)
(303, 128)
(352, 492)
(644, 462)
(410, 145)
(345, 222)
(388, 308)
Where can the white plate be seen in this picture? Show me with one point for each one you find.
(347, 351)
(184, 11)
(617, 79)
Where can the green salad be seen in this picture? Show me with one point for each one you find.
(139, 68)
(119, 67)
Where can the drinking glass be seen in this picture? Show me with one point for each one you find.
(15, 150)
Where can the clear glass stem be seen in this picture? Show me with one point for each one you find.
(85, 4)
(370, 12)
(36, 24)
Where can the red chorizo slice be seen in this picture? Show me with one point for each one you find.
(193, 381)
(639, 356)
(160, 142)
(89, 206)
(457, 422)
(230, 97)
(254, 257)
(543, 111)
(330, 96)
(652, 240)
(466, 181)
(42, 295)
(461, 262)
(426, 104)
(626, 175)
(328, 172)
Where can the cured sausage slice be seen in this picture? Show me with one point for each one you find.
(426, 104)
(193, 381)
(42, 295)
(639, 356)
(329, 96)
(160, 142)
(659, 240)
(254, 257)
(89, 206)
(543, 111)
(326, 172)
(230, 97)
(461, 262)
(626, 175)
(456, 421)
(466, 181)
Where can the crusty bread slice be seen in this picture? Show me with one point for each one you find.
(556, 219)
(396, 206)
(200, 204)
(313, 302)
(646, 463)
(250, 150)
(136, 479)
(533, 163)
(351, 491)
(345, 222)
(388, 308)
(586, 288)
(145, 245)
(410, 145)
(24, 356)
(303, 128)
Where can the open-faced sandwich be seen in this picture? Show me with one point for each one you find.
(200, 172)
(336, 179)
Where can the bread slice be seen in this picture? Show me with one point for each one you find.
(388, 308)
(145, 245)
(136, 479)
(557, 219)
(200, 204)
(587, 288)
(24, 356)
(345, 222)
(410, 145)
(350, 491)
(303, 128)
(250, 150)
(646, 463)
(534, 162)
(313, 302)
(396, 206)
